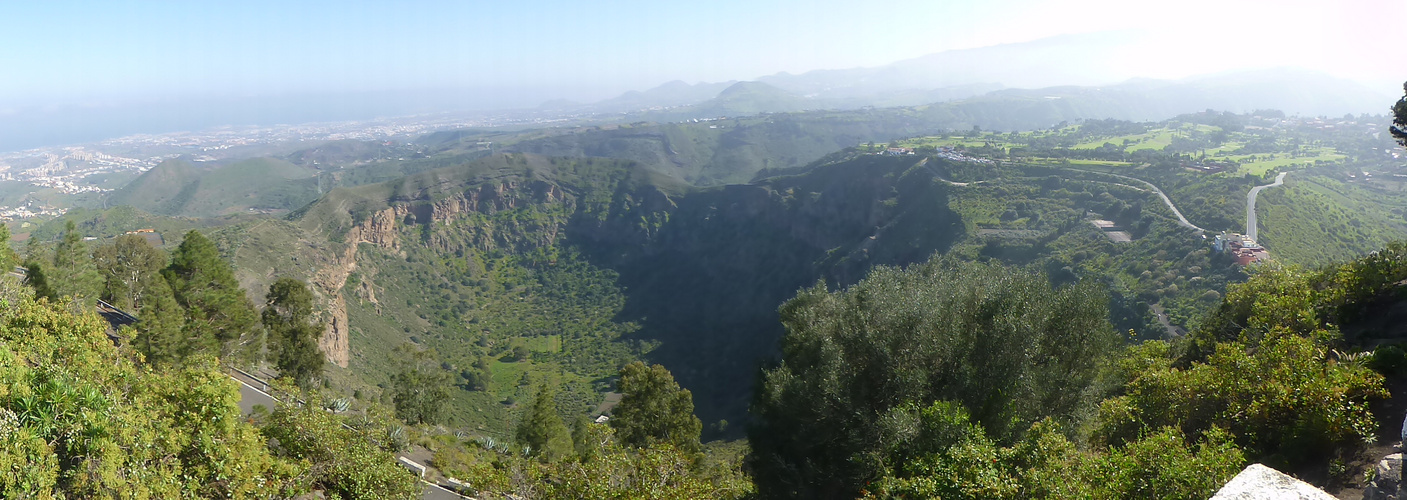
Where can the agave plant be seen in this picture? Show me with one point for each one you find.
(1351, 358)
(397, 436)
(339, 405)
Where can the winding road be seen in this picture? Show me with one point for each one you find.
(1181, 220)
(924, 163)
(1251, 205)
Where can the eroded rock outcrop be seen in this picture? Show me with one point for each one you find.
(381, 228)
(335, 340)
(1387, 479)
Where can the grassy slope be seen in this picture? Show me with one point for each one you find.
(1316, 219)
(159, 189)
(176, 188)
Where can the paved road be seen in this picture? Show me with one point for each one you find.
(1251, 225)
(1182, 221)
(435, 492)
(925, 162)
(251, 394)
(250, 397)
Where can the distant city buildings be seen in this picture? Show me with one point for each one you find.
(70, 170)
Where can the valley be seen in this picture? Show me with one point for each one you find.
(493, 263)
(890, 250)
(515, 267)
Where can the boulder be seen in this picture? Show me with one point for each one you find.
(1258, 482)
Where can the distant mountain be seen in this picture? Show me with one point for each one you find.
(750, 98)
(1041, 63)
(1053, 66)
(705, 153)
(1292, 90)
(679, 100)
(1074, 60)
(177, 188)
(669, 95)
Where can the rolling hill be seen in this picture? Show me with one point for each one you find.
(177, 188)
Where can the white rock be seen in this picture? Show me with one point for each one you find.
(1258, 482)
(1390, 467)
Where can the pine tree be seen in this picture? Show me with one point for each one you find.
(219, 317)
(160, 331)
(293, 335)
(72, 273)
(542, 429)
(128, 266)
(655, 409)
(8, 259)
(37, 279)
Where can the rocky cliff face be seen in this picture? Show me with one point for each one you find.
(383, 228)
(335, 343)
(378, 229)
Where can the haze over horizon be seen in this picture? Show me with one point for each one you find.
(78, 70)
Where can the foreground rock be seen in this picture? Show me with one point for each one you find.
(1387, 479)
(1258, 482)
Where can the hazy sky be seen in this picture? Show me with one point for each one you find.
(73, 52)
(55, 51)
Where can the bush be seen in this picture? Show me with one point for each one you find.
(1389, 360)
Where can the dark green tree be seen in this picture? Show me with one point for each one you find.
(67, 272)
(38, 279)
(128, 267)
(654, 410)
(293, 332)
(998, 341)
(542, 429)
(8, 258)
(160, 330)
(220, 319)
(421, 389)
(1399, 118)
